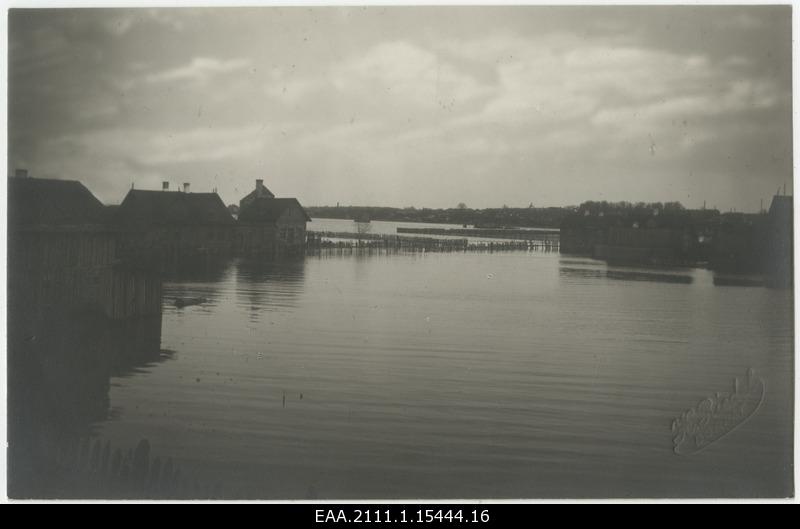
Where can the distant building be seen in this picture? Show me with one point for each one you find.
(648, 246)
(170, 225)
(631, 235)
(258, 193)
(269, 225)
(779, 254)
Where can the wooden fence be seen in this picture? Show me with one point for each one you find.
(88, 468)
(366, 242)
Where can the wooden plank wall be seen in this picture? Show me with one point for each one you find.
(132, 294)
(76, 270)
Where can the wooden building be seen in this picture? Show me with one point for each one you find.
(258, 193)
(779, 242)
(270, 226)
(62, 255)
(647, 246)
(161, 227)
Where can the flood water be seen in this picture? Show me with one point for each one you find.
(458, 375)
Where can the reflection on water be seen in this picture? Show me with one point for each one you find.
(453, 376)
(59, 371)
(624, 275)
(268, 286)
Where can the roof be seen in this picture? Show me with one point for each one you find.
(260, 191)
(782, 206)
(172, 208)
(269, 209)
(50, 202)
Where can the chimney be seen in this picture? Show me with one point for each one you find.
(164, 186)
(21, 173)
(186, 187)
(259, 183)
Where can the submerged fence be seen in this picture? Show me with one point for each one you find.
(88, 468)
(345, 242)
(526, 234)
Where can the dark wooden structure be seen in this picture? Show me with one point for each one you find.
(779, 252)
(653, 246)
(270, 226)
(159, 228)
(259, 192)
(62, 255)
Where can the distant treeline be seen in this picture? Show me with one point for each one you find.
(597, 213)
(493, 217)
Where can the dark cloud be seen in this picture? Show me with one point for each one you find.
(400, 106)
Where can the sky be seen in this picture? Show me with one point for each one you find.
(409, 106)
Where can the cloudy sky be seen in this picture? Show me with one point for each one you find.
(409, 106)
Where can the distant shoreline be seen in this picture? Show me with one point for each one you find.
(455, 226)
(484, 218)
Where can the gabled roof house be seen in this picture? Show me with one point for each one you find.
(149, 209)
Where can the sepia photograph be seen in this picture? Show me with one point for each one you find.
(445, 253)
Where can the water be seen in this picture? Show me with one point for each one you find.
(381, 227)
(459, 375)
(387, 227)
